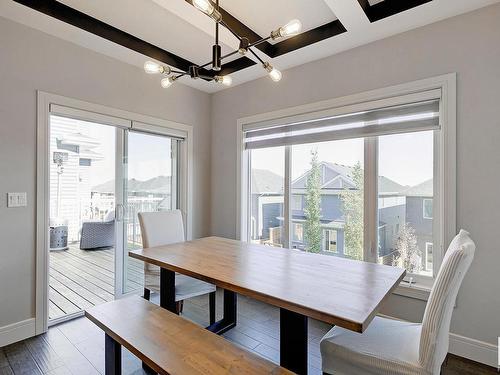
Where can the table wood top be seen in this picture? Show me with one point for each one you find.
(172, 345)
(335, 290)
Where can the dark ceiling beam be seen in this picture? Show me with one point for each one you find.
(85, 22)
(307, 38)
(92, 25)
(388, 8)
(288, 45)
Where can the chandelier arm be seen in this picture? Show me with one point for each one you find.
(239, 38)
(259, 42)
(257, 56)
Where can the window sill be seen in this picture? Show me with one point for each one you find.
(416, 290)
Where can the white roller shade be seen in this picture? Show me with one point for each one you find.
(99, 118)
(402, 118)
(161, 130)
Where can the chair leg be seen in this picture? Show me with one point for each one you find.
(179, 306)
(211, 303)
(147, 294)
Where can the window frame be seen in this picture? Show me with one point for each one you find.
(444, 204)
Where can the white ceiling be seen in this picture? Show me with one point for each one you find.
(176, 26)
(264, 16)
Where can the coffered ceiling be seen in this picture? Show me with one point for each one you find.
(176, 33)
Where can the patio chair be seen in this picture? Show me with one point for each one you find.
(97, 235)
(391, 346)
(163, 228)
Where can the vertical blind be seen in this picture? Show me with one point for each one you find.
(403, 118)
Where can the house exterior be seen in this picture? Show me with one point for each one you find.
(419, 215)
(398, 204)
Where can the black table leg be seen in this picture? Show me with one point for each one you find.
(167, 290)
(293, 341)
(113, 357)
(230, 311)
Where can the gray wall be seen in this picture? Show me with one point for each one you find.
(30, 61)
(467, 44)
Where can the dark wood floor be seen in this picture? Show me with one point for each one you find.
(77, 347)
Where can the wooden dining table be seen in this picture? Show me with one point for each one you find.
(335, 290)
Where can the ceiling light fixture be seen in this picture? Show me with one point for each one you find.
(199, 71)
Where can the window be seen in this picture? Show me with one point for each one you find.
(298, 235)
(405, 177)
(364, 173)
(297, 202)
(427, 208)
(330, 177)
(331, 240)
(266, 197)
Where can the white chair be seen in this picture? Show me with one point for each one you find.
(395, 347)
(163, 228)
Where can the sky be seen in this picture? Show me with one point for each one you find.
(404, 158)
(148, 155)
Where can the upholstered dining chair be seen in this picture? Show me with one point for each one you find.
(163, 228)
(395, 347)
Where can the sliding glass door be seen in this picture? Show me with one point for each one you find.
(150, 184)
(103, 172)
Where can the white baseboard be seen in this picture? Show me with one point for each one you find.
(17, 331)
(474, 350)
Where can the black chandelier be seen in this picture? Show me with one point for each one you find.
(212, 10)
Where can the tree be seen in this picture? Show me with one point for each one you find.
(353, 205)
(313, 233)
(408, 254)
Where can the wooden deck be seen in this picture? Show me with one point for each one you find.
(80, 279)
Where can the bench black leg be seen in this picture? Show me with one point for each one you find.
(293, 341)
(167, 290)
(147, 294)
(211, 303)
(113, 357)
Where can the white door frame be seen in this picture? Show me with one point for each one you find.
(101, 114)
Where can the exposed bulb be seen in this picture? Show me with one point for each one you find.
(152, 67)
(208, 8)
(167, 82)
(225, 80)
(204, 5)
(274, 73)
(291, 28)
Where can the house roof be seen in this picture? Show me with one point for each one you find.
(266, 182)
(425, 189)
(344, 172)
(386, 186)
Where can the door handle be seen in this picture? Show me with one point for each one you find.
(119, 211)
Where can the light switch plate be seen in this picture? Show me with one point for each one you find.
(17, 200)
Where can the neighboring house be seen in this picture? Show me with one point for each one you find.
(335, 178)
(419, 215)
(397, 204)
(267, 206)
(72, 156)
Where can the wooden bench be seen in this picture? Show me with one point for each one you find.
(169, 344)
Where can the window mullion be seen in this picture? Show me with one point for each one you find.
(287, 198)
(370, 240)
